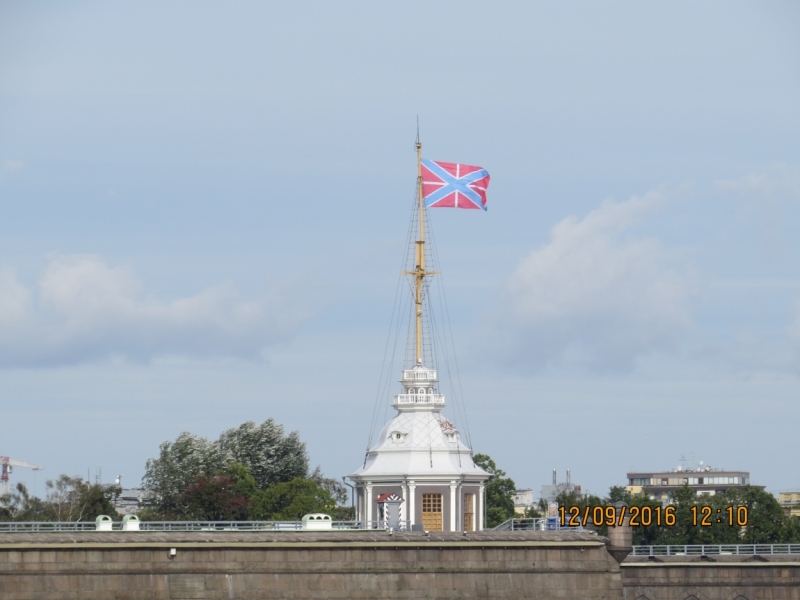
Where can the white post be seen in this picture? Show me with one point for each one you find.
(452, 506)
(369, 505)
(480, 510)
(411, 512)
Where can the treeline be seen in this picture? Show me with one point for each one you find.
(253, 472)
(698, 519)
(66, 499)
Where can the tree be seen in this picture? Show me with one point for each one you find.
(765, 517)
(74, 499)
(289, 501)
(21, 506)
(176, 468)
(335, 488)
(499, 492)
(224, 497)
(269, 456)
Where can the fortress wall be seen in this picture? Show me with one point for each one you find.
(373, 565)
(715, 578)
(315, 565)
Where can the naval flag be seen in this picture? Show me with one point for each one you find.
(453, 185)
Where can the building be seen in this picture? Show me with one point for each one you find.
(132, 500)
(705, 481)
(420, 458)
(790, 502)
(551, 491)
(523, 500)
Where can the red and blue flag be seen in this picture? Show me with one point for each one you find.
(451, 185)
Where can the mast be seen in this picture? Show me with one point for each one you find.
(419, 271)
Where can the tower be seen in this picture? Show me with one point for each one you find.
(419, 458)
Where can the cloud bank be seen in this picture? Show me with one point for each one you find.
(594, 298)
(84, 310)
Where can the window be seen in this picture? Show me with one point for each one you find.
(469, 512)
(432, 512)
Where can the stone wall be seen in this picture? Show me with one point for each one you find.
(87, 566)
(374, 565)
(715, 577)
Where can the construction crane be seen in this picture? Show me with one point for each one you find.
(8, 464)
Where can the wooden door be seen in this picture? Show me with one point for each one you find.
(432, 512)
(469, 512)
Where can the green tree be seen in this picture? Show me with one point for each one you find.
(765, 517)
(335, 487)
(74, 499)
(499, 492)
(265, 451)
(289, 501)
(269, 454)
(224, 497)
(178, 464)
(21, 506)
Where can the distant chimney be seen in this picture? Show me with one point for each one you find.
(568, 478)
(554, 476)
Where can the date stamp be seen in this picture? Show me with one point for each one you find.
(645, 516)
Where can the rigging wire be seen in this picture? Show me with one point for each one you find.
(460, 399)
(385, 372)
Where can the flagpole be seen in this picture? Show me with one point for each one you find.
(419, 273)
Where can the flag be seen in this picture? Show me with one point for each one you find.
(453, 185)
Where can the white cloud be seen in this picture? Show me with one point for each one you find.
(9, 166)
(779, 180)
(87, 310)
(592, 298)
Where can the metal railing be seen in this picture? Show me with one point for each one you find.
(537, 524)
(419, 399)
(706, 549)
(45, 526)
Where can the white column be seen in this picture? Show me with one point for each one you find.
(369, 505)
(404, 505)
(453, 488)
(479, 510)
(411, 512)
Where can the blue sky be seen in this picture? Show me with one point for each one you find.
(203, 207)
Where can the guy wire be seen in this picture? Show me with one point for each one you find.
(387, 371)
(460, 400)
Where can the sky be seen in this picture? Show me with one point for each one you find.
(203, 211)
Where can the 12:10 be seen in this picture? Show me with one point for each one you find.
(705, 513)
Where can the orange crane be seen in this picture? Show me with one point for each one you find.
(8, 465)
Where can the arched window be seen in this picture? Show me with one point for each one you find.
(740, 598)
(642, 598)
(691, 597)
(421, 390)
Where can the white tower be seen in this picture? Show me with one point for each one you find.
(419, 459)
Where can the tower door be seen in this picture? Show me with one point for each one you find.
(432, 512)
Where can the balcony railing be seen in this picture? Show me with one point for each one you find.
(419, 399)
(419, 374)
